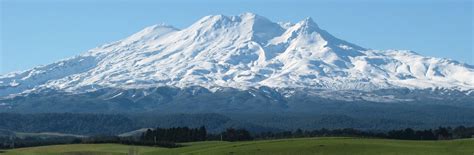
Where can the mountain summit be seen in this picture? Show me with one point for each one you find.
(243, 52)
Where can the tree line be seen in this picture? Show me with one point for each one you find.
(232, 135)
(176, 134)
(440, 133)
(171, 137)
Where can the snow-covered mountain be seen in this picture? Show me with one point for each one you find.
(243, 52)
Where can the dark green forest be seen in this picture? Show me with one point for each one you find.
(114, 124)
(171, 137)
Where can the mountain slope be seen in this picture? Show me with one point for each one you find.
(241, 52)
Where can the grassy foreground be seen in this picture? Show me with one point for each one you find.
(272, 147)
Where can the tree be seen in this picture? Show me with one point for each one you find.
(409, 134)
(236, 135)
(298, 133)
(442, 133)
(202, 133)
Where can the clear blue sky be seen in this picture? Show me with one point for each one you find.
(37, 32)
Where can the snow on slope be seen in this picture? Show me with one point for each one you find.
(241, 52)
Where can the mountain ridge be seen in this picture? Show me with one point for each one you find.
(241, 52)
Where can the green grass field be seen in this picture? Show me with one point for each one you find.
(342, 146)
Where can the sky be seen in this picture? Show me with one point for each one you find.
(39, 32)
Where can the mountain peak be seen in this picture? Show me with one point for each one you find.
(309, 21)
(248, 15)
(247, 25)
(242, 18)
(150, 33)
(308, 25)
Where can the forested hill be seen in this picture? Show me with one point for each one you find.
(114, 124)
